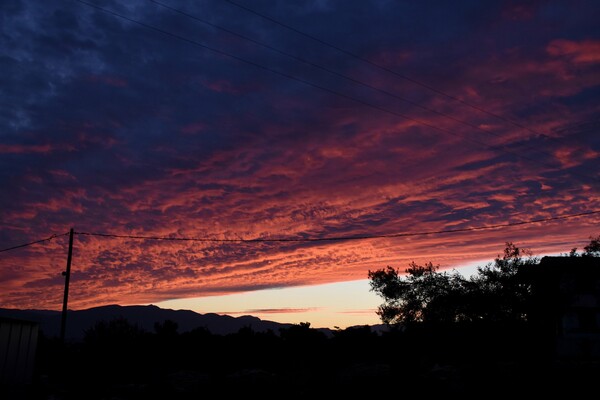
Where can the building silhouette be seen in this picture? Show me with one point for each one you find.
(18, 345)
(564, 311)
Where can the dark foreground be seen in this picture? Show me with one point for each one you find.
(301, 363)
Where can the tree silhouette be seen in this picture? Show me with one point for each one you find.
(593, 248)
(114, 350)
(496, 293)
(117, 331)
(167, 328)
(426, 295)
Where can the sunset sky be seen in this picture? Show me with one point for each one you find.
(261, 157)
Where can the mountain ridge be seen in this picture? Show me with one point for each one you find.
(145, 317)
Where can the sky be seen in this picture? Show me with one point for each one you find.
(261, 157)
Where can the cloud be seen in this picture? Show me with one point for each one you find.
(582, 52)
(111, 127)
(276, 310)
(570, 157)
(24, 149)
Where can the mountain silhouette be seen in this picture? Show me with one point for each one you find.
(144, 317)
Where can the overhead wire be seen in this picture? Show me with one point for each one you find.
(315, 65)
(312, 84)
(391, 71)
(349, 78)
(34, 242)
(341, 238)
(323, 239)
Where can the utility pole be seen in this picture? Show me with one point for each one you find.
(67, 275)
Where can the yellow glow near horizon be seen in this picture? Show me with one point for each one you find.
(335, 305)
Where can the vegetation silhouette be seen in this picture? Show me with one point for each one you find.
(425, 295)
(485, 324)
(447, 335)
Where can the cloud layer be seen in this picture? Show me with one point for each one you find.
(204, 120)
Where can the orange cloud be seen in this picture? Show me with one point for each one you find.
(570, 157)
(276, 310)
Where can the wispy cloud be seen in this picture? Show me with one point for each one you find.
(276, 311)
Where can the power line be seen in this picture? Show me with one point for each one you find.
(325, 239)
(399, 75)
(349, 78)
(308, 83)
(315, 65)
(341, 238)
(35, 242)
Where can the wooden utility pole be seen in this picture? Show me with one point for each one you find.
(67, 275)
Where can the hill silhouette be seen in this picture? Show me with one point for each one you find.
(144, 317)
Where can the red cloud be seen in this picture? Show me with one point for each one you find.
(25, 149)
(572, 156)
(583, 52)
